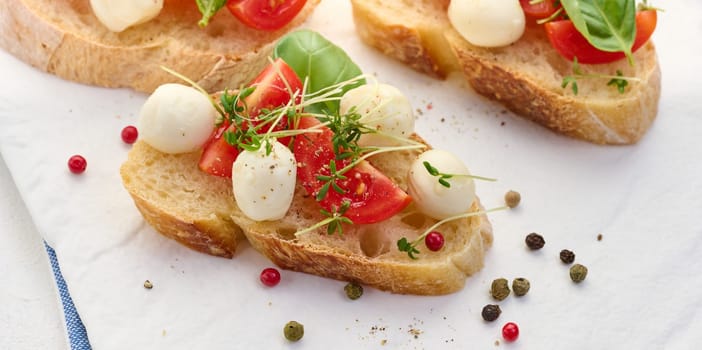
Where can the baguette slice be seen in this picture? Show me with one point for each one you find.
(525, 76)
(63, 37)
(198, 210)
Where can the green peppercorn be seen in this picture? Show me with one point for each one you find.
(353, 290)
(293, 331)
(578, 273)
(499, 289)
(491, 312)
(534, 241)
(567, 257)
(520, 286)
(512, 198)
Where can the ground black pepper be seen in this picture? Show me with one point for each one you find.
(567, 257)
(534, 241)
(491, 312)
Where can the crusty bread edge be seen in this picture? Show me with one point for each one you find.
(415, 278)
(216, 235)
(31, 39)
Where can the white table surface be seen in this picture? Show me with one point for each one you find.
(30, 314)
(643, 290)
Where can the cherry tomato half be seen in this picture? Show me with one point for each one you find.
(265, 14)
(271, 92)
(539, 10)
(570, 43)
(373, 196)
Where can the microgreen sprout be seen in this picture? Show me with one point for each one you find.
(443, 177)
(404, 245)
(619, 80)
(334, 220)
(330, 181)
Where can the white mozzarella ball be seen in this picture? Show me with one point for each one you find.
(382, 107)
(264, 184)
(118, 15)
(488, 23)
(434, 199)
(176, 119)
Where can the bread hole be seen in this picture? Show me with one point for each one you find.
(286, 232)
(163, 194)
(374, 243)
(416, 220)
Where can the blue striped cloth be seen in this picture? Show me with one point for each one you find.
(77, 336)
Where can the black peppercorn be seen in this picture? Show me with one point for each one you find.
(534, 241)
(567, 257)
(491, 312)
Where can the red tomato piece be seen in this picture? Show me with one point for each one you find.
(218, 156)
(265, 14)
(570, 43)
(540, 10)
(271, 92)
(373, 196)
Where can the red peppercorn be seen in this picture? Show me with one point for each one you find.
(130, 134)
(510, 331)
(434, 241)
(77, 164)
(270, 277)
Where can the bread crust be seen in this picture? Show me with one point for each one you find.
(410, 277)
(64, 38)
(597, 117)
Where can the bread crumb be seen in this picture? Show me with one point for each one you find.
(163, 333)
(415, 332)
(497, 343)
(383, 342)
(599, 237)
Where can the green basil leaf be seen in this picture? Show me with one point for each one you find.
(208, 8)
(609, 25)
(324, 64)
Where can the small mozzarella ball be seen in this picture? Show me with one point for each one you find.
(434, 199)
(488, 23)
(382, 107)
(264, 184)
(118, 15)
(176, 119)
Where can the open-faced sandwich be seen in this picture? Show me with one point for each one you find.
(584, 68)
(122, 43)
(318, 166)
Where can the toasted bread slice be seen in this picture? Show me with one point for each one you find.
(63, 37)
(525, 76)
(198, 210)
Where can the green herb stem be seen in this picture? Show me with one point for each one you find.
(380, 150)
